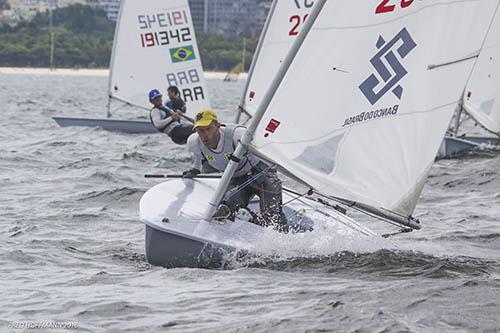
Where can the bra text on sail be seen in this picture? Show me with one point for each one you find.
(188, 83)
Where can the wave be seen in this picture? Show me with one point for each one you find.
(136, 157)
(104, 175)
(486, 152)
(62, 143)
(121, 254)
(115, 194)
(381, 264)
(81, 164)
(481, 238)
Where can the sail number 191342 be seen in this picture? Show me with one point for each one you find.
(387, 6)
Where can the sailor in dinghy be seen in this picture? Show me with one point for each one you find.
(168, 121)
(215, 144)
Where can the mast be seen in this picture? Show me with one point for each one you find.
(205, 16)
(460, 108)
(51, 29)
(254, 60)
(112, 60)
(247, 137)
(243, 54)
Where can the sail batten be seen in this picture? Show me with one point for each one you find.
(356, 134)
(452, 62)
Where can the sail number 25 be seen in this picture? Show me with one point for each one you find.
(297, 20)
(387, 6)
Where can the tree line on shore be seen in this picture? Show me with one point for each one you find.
(83, 38)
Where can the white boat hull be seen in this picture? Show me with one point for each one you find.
(177, 236)
(453, 146)
(170, 249)
(126, 126)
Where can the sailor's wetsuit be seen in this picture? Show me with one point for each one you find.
(267, 186)
(175, 129)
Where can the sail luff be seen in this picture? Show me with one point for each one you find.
(247, 137)
(254, 61)
(113, 55)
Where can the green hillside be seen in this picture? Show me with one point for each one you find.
(84, 38)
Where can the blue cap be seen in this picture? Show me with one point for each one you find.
(153, 94)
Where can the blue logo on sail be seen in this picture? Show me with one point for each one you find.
(390, 76)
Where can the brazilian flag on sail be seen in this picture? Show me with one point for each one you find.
(183, 53)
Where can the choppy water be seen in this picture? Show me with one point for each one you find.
(72, 244)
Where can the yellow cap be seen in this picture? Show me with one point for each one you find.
(204, 118)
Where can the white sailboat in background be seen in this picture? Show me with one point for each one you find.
(381, 87)
(481, 100)
(154, 47)
(234, 73)
(283, 24)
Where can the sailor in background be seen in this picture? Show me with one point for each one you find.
(168, 121)
(175, 101)
(216, 143)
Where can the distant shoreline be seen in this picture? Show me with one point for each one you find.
(87, 72)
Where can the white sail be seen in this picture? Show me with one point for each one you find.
(155, 47)
(366, 100)
(284, 22)
(482, 95)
